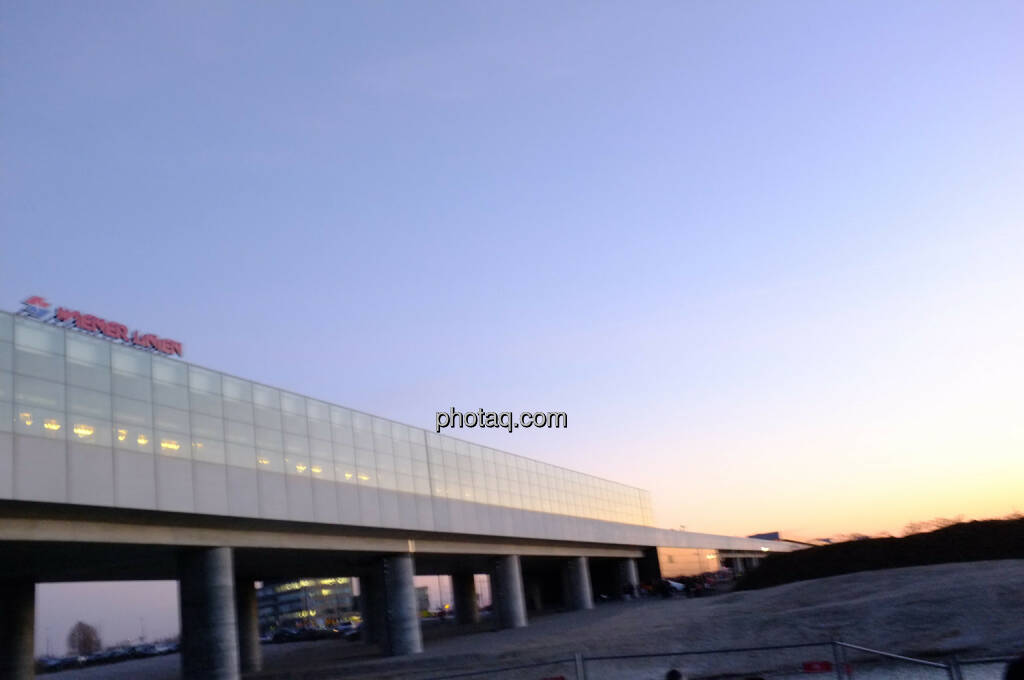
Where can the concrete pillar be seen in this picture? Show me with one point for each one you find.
(581, 595)
(507, 592)
(399, 630)
(247, 613)
(209, 634)
(464, 589)
(628, 578)
(17, 630)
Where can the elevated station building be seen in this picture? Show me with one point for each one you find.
(119, 460)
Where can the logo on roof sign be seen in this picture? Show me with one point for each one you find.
(37, 307)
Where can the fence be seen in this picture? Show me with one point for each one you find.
(828, 659)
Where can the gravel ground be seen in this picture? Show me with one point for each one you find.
(972, 609)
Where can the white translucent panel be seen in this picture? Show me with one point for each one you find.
(133, 411)
(448, 444)
(239, 433)
(272, 461)
(382, 444)
(386, 480)
(317, 410)
(168, 418)
(204, 402)
(89, 430)
(172, 444)
(267, 417)
(134, 386)
(385, 461)
(132, 361)
(39, 422)
(88, 402)
(341, 416)
(461, 447)
(345, 472)
(88, 351)
(319, 448)
(433, 440)
(42, 393)
(6, 355)
(342, 435)
(451, 460)
(240, 411)
(170, 371)
(266, 397)
(319, 429)
(418, 452)
(365, 459)
(416, 436)
(33, 336)
(360, 421)
(240, 455)
(402, 448)
(366, 476)
(6, 326)
(6, 386)
(343, 453)
(293, 403)
(381, 426)
(296, 444)
(294, 423)
(237, 389)
(419, 469)
(403, 465)
(269, 439)
(399, 432)
(421, 485)
(295, 464)
(202, 380)
(131, 437)
(207, 426)
(321, 469)
(170, 395)
(207, 450)
(363, 438)
(405, 483)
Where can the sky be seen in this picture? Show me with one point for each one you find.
(766, 256)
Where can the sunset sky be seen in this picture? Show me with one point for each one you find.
(768, 257)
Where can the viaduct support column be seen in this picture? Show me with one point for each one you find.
(628, 578)
(247, 612)
(209, 634)
(397, 623)
(17, 630)
(466, 607)
(581, 596)
(507, 592)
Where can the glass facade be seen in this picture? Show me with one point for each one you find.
(63, 385)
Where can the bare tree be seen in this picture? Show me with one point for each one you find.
(84, 639)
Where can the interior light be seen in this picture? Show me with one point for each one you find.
(121, 435)
(83, 430)
(301, 467)
(765, 549)
(169, 444)
(142, 440)
(348, 475)
(263, 461)
(51, 424)
(26, 418)
(365, 478)
(317, 469)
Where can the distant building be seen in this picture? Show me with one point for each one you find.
(422, 598)
(305, 603)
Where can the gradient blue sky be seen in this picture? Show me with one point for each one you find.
(767, 256)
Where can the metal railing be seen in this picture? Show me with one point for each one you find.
(576, 667)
